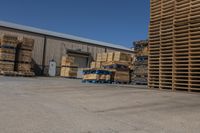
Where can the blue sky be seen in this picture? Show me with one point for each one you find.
(113, 21)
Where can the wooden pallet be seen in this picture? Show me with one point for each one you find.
(17, 74)
(27, 44)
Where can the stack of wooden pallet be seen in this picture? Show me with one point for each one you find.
(120, 64)
(16, 56)
(8, 47)
(68, 68)
(154, 44)
(174, 45)
(139, 72)
(117, 62)
(24, 55)
(96, 75)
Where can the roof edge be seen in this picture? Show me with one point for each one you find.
(60, 35)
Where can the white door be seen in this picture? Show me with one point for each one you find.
(52, 68)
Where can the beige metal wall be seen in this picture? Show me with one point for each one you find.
(57, 47)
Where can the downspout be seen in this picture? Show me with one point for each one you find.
(44, 54)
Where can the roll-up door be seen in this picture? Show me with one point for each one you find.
(82, 59)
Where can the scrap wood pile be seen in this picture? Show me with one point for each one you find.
(68, 68)
(16, 56)
(139, 74)
(113, 67)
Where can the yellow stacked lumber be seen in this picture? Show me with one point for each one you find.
(99, 57)
(93, 64)
(91, 77)
(27, 44)
(110, 56)
(6, 66)
(8, 44)
(24, 56)
(122, 76)
(7, 57)
(114, 61)
(69, 72)
(68, 68)
(120, 56)
(9, 41)
(67, 61)
(98, 64)
(24, 67)
(104, 57)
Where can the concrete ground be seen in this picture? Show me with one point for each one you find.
(56, 105)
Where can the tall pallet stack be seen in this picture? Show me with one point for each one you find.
(154, 44)
(16, 56)
(8, 46)
(24, 55)
(68, 68)
(139, 72)
(174, 60)
(120, 65)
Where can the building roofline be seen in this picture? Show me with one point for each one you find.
(60, 35)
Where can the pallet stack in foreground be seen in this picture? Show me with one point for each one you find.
(174, 60)
(68, 68)
(140, 68)
(120, 64)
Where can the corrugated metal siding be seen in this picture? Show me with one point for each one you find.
(56, 48)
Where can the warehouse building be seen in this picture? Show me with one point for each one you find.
(52, 46)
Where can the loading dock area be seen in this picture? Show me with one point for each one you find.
(57, 105)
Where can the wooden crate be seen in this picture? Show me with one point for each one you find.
(23, 67)
(6, 66)
(122, 76)
(24, 56)
(7, 57)
(67, 60)
(104, 57)
(7, 50)
(120, 56)
(98, 64)
(25, 59)
(93, 64)
(110, 57)
(27, 44)
(97, 77)
(9, 41)
(91, 77)
(125, 63)
(69, 72)
(99, 57)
